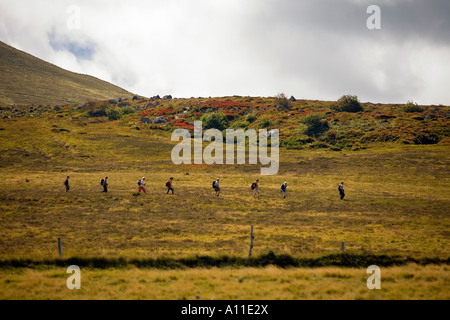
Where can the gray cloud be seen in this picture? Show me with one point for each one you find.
(311, 49)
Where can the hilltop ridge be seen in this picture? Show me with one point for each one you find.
(26, 79)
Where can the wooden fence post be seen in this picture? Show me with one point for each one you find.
(60, 248)
(251, 243)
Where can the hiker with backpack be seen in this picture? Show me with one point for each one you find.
(169, 186)
(284, 189)
(66, 183)
(216, 187)
(142, 184)
(255, 188)
(104, 183)
(341, 190)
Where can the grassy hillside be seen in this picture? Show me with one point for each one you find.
(396, 165)
(25, 79)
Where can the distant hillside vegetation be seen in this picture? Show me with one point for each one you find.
(25, 79)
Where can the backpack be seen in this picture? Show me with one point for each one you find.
(102, 182)
(139, 183)
(168, 184)
(339, 188)
(214, 184)
(253, 186)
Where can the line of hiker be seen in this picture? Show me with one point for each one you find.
(216, 185)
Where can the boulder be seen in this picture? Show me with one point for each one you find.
(292, 99)
(168, 97)
(57, 108)
(146, 120)
(158, 120)
(135, 98)
(148, 105)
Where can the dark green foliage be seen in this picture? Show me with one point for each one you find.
(348, 103)
(250, 118)
(240, 125)
(265, 123)
(315, 124)
(113, 114)
(426, 138)
(215, 120)
(95, 110)
(128, 110)
(282, 101)
(347, 260)
(412, 106)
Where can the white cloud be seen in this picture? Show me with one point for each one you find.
(310, 49)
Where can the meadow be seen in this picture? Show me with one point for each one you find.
(396, 205)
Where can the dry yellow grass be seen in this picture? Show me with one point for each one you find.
(397, 203)
(270, 283)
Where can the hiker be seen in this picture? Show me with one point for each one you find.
(284, 189)
(255, 188)
(66, 183)
(104, 183)
(341, 190)
(169, 186)
(216, 187)
(142, 184)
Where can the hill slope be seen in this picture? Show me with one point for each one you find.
(25, 79)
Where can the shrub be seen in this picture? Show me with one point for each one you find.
(215, 120)
(265, 123)
(282, 101)
(114, 114)
(240, 125)
(128, 110)
(250, 118)
(315, 124)
(348, 103)
(95, 110)
(412, 106)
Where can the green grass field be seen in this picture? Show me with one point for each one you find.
(397, 204)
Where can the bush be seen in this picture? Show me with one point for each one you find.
(265, 123)
(412, 106)
(250, 118)
(282, 101)
(215, 120)
(348, 103)
(240, 125)
(114, 114)
(315, 124)
(95, 110)
(128, 110)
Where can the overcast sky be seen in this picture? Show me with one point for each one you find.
(319, 49)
